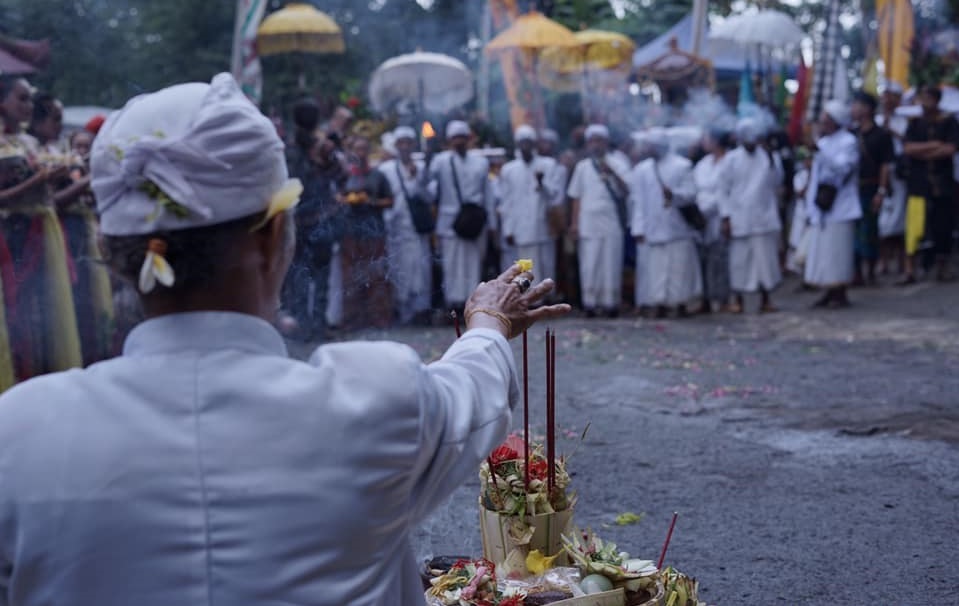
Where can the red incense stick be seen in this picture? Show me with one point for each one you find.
(669, 535)
(526, 408)
(456, 323)
(552, 406)
(549, 414)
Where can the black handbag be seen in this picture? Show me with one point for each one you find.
(826, 193)
(693, 216)
(471, 219)
(689, 212)
(826, 196)
(421, 211)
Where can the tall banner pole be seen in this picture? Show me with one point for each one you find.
(245, 64)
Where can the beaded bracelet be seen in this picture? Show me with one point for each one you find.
(492, 313)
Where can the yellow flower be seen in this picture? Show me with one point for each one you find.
(525, 264)
(283, 200)
(537, 563)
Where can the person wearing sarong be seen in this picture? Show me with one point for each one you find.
(527, 199)
(34, 264)
(319, 222)
(930, 143)
(462, 177)
(830, 262)
(892, 216)
(714, 247)
(751, 176)
(599, 195)
(205, 465)
(74, 203)
(410, 255)
(876, 157)
(367, 296)
(668, 273)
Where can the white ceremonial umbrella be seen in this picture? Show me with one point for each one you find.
(436, 83)
(770, 28)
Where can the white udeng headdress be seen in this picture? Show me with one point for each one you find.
(191, 155)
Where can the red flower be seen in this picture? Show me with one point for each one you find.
(353, 102)
(503, 453)
(537, 469)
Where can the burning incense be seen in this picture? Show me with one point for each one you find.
(669, 535)
(526, 407)
(550, 436)
(552, 408)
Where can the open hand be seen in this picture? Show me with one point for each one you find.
(504, 297)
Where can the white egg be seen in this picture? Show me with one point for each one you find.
(595, 583)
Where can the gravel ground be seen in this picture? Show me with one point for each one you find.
(813, 456)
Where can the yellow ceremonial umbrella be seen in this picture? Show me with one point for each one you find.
(607, 53)
(299, 28)
(598, 49)
(532, 31)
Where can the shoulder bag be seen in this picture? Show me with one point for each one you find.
(690, 213)
(471, 218)
(619, 198)
(421, 211)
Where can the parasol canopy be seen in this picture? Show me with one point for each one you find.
(770, 28)
(532, 31)
(299, 27)
(597, 50)
(437, 83)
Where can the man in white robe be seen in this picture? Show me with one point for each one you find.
(830, 262)
(668, 275)
(526, 199)
(410, 260)
(204, 466)
(463, 178)
(599, 195)
(750, 177)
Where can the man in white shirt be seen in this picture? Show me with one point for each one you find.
(830, 262)
(668, 270)
(203, 466)
(599, 217)
(463, 179)
(750, 176)
(526, 196)
(408, 248)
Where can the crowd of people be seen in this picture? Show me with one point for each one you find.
(637, 223)
(399, 231)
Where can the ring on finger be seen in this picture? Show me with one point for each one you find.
(522, 283)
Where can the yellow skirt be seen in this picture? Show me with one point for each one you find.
(49, 333)
(915, 223)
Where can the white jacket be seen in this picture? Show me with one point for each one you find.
(204, 466)
(749, 183)
(598, 215)
(709, 197)
(523, 205)
(836, 163)
(472, 172)
(651, 218)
